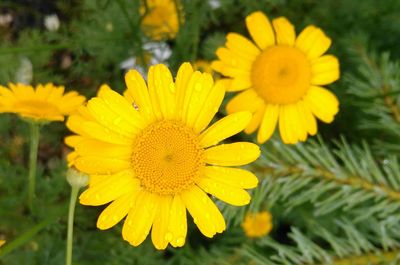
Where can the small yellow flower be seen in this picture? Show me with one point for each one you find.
(2, 242)
(257, 224)
(203, 66)
(281, 77)
(46, 103)
(151, 156)
(160, 19)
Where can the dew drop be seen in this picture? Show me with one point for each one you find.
(180, 241)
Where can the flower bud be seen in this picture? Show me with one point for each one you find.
(76, 178)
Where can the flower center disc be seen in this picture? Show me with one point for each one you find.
(167, 157)
(281, 75)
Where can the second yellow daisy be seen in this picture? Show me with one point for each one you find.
(281, 76)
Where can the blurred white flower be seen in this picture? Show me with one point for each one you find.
(160, 51)
(24, 73)
(214, 4)
(5, 19)
(154, 53)
(51, 22)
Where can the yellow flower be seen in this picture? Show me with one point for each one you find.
(2, 242)
(281, 77)
(46, 103)
(203, 66)
(160, 19)
(257, 224)
(157, 158)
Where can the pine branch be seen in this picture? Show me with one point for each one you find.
(348, 178)
(376, 90)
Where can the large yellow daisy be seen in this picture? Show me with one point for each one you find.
(281, 76)
(153, 158)
(160, 19)
(43, 104)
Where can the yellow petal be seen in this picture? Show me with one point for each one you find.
(210, 107)
(199, 92)
(159, 233)
(235, 154)
(195, 78)
(230, 59)
(240, 82)
(325, 70)
(177, 224)
(313, 42)
(285, 33)
(42, 92)
(140, 218)
(232, 195)
(73, 140)
(185, 72)
(110, 119)
(246, 100)
(260, 29)
(283, 130)
(206, 215)
(268, 123)
(138, 89)
(255, 120)
(235, 177)
(322, 103)
(101, 165)
(121, 107)
(116, 211)
(199, 96)
(295, 123)
(224, 128)
(70, 102)
(162, 90)
(288, 132)
(22, 92)
(99, 132)
(242, 46)
(234, 71)
(110, 189)
(92, 147)
(56, 93)
(229, 85)
(308, 118)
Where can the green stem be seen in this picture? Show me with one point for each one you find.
(70, 233)
(35, 132)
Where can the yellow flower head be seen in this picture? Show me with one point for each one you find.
(153, 158)
(257, 224)
(2, 242)
(160, 19)
(203, 66)
(281, 77)
(43, 104)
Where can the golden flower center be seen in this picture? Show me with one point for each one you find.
(167, 157)
(281, 75)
